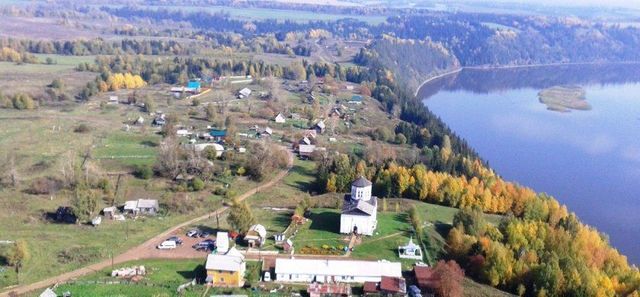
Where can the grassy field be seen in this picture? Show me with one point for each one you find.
(129, 149)
(33, 78)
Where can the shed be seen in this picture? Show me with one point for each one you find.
(306, 150)
(244, 93)
(109, 212)
(280, 119)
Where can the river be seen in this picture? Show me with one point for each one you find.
(587, 159)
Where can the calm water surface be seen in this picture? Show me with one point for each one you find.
(588, 160)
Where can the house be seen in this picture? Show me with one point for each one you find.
(323, 290)
(320, 126)
(266, 132)
(218, 134)
(109, 212)
(222, 242)
(244, 93)
(356, 99)
(359, 211)
(183, 132)
(410, 251)
(388, 286)
(305, 140)
(159, 120)
(256, 236)
(426, 278)
(226, 270)
(199, 147)
(280, 119)
(142, 206)
(334, 271)
(306, 150)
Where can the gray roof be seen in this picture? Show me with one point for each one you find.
(359, 207)
(361, 182)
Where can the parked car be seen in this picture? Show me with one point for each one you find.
(176, 239)
(205, 234)
(167, 245)
(414, 291)
(193, 233)
(205, 245)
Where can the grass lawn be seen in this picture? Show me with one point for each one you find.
(62, 60)
(129, 148)
(323, 229)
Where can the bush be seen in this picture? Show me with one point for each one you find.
(23, 101)
(241, 171)
(220, 191)
(197, 184)
(143, 172)
(82, 128)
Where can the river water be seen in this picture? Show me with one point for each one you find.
(588, 160)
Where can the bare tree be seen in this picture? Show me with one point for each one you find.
(168, 163)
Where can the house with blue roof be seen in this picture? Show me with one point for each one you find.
(218, 134)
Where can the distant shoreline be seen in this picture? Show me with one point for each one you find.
(497, 67)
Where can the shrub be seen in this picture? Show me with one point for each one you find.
(241, 171)
(82, 128)
(143, 172)
(44, 186)
(197, 184)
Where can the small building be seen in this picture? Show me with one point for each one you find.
(266, 132)
(280, 119)
(359, 211)
(256, 236)
(410, 251)
(218, 134)
(109, 212)
(320, 126)
(48, 293)
(331, 290)
(183, 132)
(199, 147)
(356, 99)
(334, 271)
(288, 245)
(222, 242)
(279, 238)
(113, 100)
(388, 286)
(226, 270)
(142, 207)
(244, 93)
(305, 140)
(194, 86)
(306, 150)
(159, 120)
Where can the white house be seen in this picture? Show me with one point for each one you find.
(359, 211)
(256, 235)
(244, 93)
(142, 206)
(280, 119)
(222, 242)
(330, 271)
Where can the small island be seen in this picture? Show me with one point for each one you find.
(564, 98)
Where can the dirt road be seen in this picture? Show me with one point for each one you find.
(143, 251)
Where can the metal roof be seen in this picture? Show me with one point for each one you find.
(361, 182)
(338, 267)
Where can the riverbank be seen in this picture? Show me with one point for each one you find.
(440, 75)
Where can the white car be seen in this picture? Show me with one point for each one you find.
(167, 245)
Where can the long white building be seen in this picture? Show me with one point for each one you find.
(324, 271)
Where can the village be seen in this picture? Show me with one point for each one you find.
(321, 250)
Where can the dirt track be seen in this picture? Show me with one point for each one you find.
(145, 250)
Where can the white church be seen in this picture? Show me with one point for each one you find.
(360, 209)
